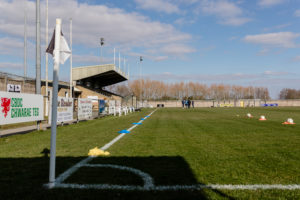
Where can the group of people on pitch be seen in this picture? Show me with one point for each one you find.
(187, 103)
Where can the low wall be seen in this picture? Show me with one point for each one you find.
(178, 104)
(292, 102)
(238, 103)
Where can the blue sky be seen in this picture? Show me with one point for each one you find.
(240, 42)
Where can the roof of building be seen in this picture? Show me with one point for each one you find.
(14, 76)
(98, 76)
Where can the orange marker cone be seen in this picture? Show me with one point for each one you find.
(289, 121)
(262, 118)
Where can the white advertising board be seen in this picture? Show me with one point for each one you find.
(85, 108)
(112, 103)
(118, 103)
(94, 98)
(64, 109)
(13, 88)
(20, 107)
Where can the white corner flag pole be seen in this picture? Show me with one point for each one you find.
(71, 60)
(54, 103)
(119, 61)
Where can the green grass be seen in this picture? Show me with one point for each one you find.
(175, 146)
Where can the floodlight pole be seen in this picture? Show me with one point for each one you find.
(141, 99)
(115, 56)
(54, 104)
(128, 71)
(119, 60)
(25, 39)
(38, 49)
(124, 65)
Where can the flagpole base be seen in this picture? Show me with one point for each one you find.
(49, 185)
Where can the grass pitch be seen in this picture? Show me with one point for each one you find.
(174, 146)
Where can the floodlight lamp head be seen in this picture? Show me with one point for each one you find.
(141, 58)
(101, 41)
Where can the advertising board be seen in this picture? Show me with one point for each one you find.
(64, 109)
(20, 107)
(85, 108)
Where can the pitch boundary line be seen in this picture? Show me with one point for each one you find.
(150, 186)
(74, 168)
(178, 187)
(148, 180)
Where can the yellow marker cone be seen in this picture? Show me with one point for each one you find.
(98, 152)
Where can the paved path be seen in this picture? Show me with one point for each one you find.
(27, 129)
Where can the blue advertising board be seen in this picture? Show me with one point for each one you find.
(101, 106)
(270, 105)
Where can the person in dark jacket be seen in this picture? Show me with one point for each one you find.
(189, 103)
(193, 103)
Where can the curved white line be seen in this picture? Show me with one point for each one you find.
(148, 180)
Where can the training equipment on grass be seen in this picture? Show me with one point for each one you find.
(58, 183)
(142, 118)
(262, 118)
(137, 123)
(124, 131)
(249, 115)
(148, 183)
(289, 121)
(98, 152)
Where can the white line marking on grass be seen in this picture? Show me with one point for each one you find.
(177, 187)
(100, 187)
(148, 181)
(257, 187)
(70, 171)
(112, 142)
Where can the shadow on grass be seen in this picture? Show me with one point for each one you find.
(23, 178)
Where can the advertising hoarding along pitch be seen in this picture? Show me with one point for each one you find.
(64, 109)
(85, 108)
(20, 107)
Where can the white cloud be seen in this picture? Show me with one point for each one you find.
(263, 52)
(277, 27)
(158, 5)
(90, 59)
(188, 1)
(184, 21)
(214, 78)
(177, 49)
(268, 3)
(297, 13)
(160, 58)
(272, 73)
(281, 39)
(10, 45)
(15, 46)
(296, 59)
(227, 12)
(7, 65)
(90, 22)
